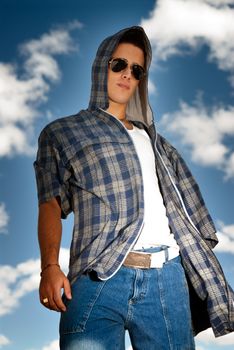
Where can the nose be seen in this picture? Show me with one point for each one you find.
(127, 73)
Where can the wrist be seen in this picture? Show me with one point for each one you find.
(48, 266)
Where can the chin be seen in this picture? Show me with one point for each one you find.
(120, 99)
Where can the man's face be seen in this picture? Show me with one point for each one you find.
(122, 85)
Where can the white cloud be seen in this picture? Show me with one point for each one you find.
(176, 25)
(151, 87)
(207, 337)
(4, 340)
(54, 345)
(4, 217)
(15, 139)
(230, 167)
(22, 93)
(204, 131)
(16, 282)
(226, 238)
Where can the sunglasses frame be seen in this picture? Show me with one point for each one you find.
(127, 64)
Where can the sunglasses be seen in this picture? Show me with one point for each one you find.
(119, 64)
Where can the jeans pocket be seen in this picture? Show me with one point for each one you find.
(176, 262)
(84, 295)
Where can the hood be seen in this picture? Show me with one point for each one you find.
(138, 108)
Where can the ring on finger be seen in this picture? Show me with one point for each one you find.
(45, 300)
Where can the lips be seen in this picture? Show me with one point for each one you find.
(123, 86)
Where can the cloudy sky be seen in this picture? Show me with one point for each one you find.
(47, 48)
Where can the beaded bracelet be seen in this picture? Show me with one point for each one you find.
(46, 267)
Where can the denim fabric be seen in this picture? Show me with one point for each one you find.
(152, 304)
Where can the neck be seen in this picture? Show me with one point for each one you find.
(118, 110)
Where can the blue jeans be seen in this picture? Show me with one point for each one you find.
(152, 304)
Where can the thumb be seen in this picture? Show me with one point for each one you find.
(67, 289)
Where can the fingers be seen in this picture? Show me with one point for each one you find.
(67, 289)
(54, 302)
(51, 305)
(45, 302)
(58, 303)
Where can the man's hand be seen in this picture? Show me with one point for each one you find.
(52, 282)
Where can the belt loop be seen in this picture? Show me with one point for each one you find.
(165, 248)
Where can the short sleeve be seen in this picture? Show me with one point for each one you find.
(51, 175)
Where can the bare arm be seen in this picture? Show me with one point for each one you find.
(49, 236)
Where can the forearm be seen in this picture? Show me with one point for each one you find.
(49, 232)
(49, 236)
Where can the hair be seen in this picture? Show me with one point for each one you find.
(135, 37)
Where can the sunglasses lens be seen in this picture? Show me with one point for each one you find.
(118, 64)
(138, 72)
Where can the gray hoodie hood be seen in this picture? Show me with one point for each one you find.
(138, 108)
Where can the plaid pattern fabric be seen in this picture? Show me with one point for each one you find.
(89, 160)
(195, 234)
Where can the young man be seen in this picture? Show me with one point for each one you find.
(141, 254)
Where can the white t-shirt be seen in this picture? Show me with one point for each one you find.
(156, 229)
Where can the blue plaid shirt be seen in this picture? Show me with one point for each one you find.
(90, 162)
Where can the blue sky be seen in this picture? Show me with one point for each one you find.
(46, 52)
